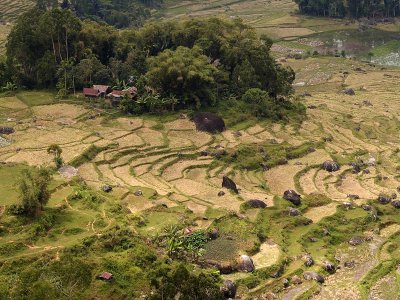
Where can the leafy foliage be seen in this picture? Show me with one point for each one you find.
(33, 190)
(176, 64)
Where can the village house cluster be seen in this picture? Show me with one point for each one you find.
(105, 91)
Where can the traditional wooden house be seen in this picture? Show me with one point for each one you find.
(103, 89)
(91, 93)
(118, 95)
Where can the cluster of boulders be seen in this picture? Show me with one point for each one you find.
(349, 91)
(330, 166)
(386, 199)
(217, 152)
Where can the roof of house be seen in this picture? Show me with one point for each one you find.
(131, 90)
(101, 88)
(118, 94)
(106, 276)
(91, 92)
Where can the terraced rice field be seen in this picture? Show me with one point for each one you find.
(9, 12)
(11, 9)
(156, 161)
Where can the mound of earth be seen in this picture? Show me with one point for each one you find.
(208, 122)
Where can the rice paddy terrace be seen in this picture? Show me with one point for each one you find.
(9, 12)
(160, 176)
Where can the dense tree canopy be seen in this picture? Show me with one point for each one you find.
(351, 8)
(191, 63)
(120, 13)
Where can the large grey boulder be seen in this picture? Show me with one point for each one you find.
(229, 184)
(330, 166)
(292, 196)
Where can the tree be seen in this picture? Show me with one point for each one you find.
(56, 151)
(33, 190)
(185, 73)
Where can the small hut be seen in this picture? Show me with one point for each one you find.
(106, 276)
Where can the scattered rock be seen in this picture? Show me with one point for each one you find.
(305, 94)
(313, 239)
(245, 264)
(394, 196)
(311, 150)
(6, 130)
(296, 280)
(384, 199)
(285, 282)
(229, 184)
(312, 107)
(356, 168)
(292, 196)
(228, 289)
(369, 238)
(293, 212)
(106, 188)
(366, 207)
(330, 166)
(237, 134)
(396, 203)
(350, 264)
(213, 233)
(329, 267)
(353, 196)
(208, 122)
(367, 103)
(356, 240)
(366, 171)
(347, 205)
(268, 296)
(138, 193)
(255, 203)
(204, 153)
(313, 276)
(371, 161)
(349, 91)
(308, 260)
(221, 193)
